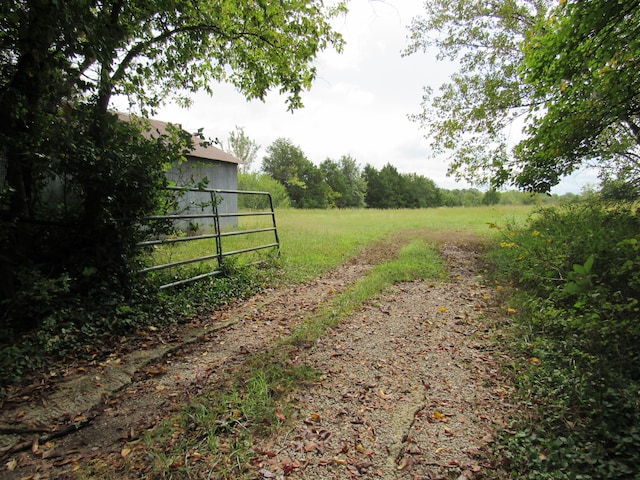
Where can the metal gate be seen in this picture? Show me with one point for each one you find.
(213, 217)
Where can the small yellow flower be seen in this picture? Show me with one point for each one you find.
(535, 233)
(443, 309)
(511, 311)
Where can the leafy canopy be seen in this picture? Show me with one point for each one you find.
(468, 120)
(568, 72)
(61, 63)
(583, 63)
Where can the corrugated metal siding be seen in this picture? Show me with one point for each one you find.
(221, 175)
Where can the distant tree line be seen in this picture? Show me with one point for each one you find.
(295, 181)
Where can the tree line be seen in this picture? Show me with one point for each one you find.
(294, 181)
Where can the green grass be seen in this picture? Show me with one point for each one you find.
(417, 260)
(314, 241)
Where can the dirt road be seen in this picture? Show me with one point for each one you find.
(411, 386)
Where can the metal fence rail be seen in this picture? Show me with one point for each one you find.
(219, 255)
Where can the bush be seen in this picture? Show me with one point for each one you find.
(257, 182)
(83, 328)
(577, 268)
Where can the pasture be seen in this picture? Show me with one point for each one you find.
(314, 241)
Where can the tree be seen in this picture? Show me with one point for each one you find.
(419, 192)
(243, 148)
(470, 118)
(384, 187)
(375, 191)
(287, 163)
(571, 72)
(491, 197)
(346, 181)
(582, 62)
(60, 65)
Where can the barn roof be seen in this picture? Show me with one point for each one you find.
(208, 152)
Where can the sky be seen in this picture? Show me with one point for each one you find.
(358, 106)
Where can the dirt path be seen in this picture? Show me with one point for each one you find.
(411, 386)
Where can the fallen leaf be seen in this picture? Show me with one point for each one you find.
(438, 415)
(383, 395)
(267, 474)
(280, 415)
(405, 463)
(124, 452)
(310, 446)
(12, 464)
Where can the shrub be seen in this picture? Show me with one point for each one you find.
(577, 268)
(257, 182)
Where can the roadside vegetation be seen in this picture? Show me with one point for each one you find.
(576, 276)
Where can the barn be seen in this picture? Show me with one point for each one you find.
(204, 164)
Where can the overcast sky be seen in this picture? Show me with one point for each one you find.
(358, 105)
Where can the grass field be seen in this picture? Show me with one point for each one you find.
(313, 241)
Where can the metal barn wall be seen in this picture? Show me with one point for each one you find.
(221, 175)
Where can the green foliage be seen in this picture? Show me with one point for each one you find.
(303, 181)
(243, 148)
(76, 182)
(491, 197)
(388, 188)
(582, 62)
(258, 182)
(346, 182)
(88, 327)
(470, 118)
(577, 269)
(570, 68)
